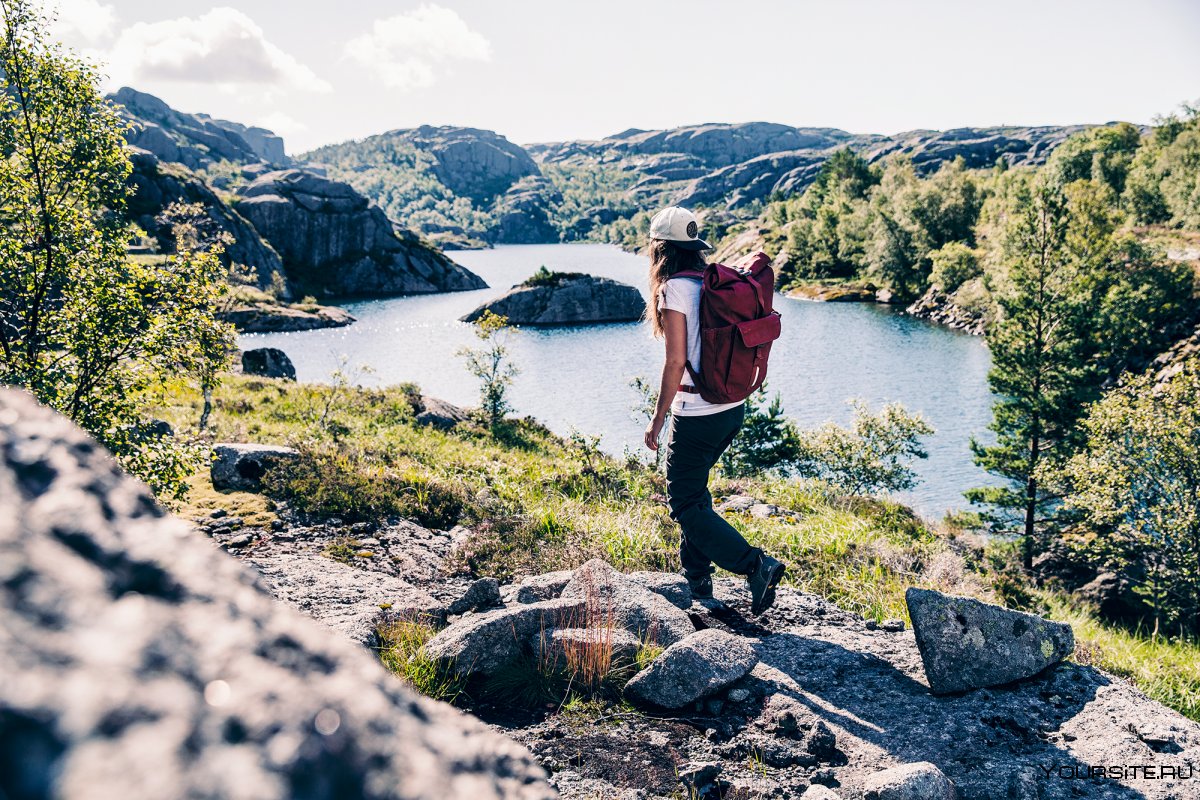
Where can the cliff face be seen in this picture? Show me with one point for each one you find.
(156, 185)
(333, 241)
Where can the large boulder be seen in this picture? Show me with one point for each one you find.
(481, 644)
(614, 599)
(968, 644)
(334, 241)
(693, 668)
(919, 781)
(566, 299)
(141, 662)
(268, 362)
(240, 467)
(439, 414)
(278, 318)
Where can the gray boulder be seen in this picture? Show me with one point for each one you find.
(568, 299)
(788, 718)
(967, 644)
(240, 467)
(268, 362)
(671, 585)
(439, 414)
(334, 241)
(481, 644)
(614, 599)
(695, 667)
(819, 792)
(533, 588)
(483, 593)
(141, 662)
(919, 781)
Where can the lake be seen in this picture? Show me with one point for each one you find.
(579, 377)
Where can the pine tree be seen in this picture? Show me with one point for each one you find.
(1047, 251)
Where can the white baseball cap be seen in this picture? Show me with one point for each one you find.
(679, 227)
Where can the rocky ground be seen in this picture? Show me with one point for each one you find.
(832, 701)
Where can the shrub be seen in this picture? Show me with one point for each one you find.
(545, 277)
(872, 456)
(767, 442)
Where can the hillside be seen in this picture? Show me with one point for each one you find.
(468, 187)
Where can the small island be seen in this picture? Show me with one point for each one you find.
(565, 298)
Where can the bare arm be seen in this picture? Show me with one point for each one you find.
(675, 329)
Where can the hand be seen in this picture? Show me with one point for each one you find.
(652, 432)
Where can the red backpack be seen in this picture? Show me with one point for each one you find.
(737, 326)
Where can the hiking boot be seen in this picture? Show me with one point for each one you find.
(702, 588)
(763, 580)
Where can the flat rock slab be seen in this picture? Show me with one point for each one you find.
(695, 667)
(614, 599)
(343, 597)
(481, 644)
(967, 644)
(238, 467)
(573, 300)
(140, 662)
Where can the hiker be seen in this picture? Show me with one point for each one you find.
(701, 429)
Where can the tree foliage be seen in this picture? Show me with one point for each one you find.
(88, 331)
(768, 441)
(874, 455)
(491, 365)
(1137, 484)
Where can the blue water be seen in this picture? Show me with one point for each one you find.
(579, 377)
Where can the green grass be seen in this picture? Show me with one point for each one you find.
(401, 649)
(536, 502)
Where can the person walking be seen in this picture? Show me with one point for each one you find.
(699, 431)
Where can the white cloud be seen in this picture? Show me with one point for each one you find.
(281, 123)
(223, 47)
(81, 21)
(406, 50)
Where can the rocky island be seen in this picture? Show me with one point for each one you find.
(565, 298)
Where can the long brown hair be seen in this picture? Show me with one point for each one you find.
(665, 260)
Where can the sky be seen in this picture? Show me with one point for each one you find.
(550, 70)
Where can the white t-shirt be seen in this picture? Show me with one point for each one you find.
(683, 295)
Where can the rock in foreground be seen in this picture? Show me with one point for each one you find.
(566, 300)
(141, 662)
(693, 668)
(967, 644)
(920, 781)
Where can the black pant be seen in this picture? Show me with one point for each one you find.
(693, 446)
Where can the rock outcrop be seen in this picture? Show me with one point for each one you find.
(194, 140)
(281, 318)
(333, 241)
(140, 662)
(940, 308)
(470, 162)
(567, 299)
(268, 362)
(746, 182)
(523, 213)
(968, 644)
(157, 184)
(439, 414)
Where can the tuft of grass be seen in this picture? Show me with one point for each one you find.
(343, 550)
(401, 650)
